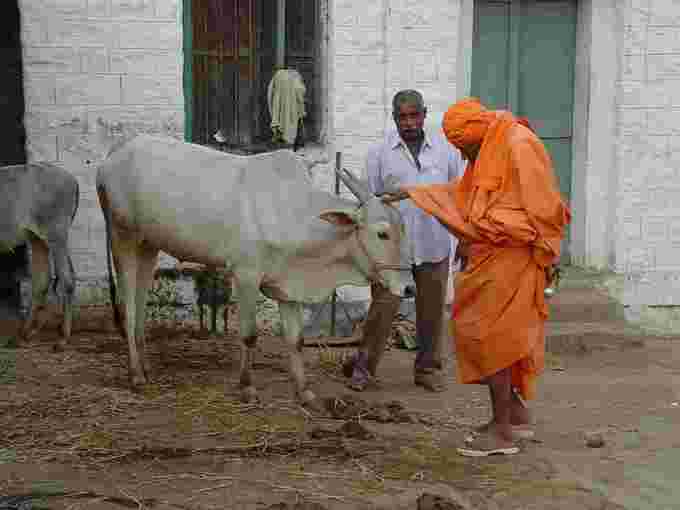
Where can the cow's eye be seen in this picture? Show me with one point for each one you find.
(383, 235)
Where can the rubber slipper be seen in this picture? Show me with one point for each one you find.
(522, 432)
(356, 386)
(483, 446)
(372, 383)
(479, 452)
(518, 432)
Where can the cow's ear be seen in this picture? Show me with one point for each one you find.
(340, 217)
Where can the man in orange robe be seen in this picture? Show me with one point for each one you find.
(510, 217)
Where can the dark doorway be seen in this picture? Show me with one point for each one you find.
(12, 150)
(13, 146)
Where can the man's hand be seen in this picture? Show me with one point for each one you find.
(391, 185)
(393, 196)
(552, 275)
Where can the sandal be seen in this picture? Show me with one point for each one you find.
(522, 432)
(357, 384)
(519, 432)
(485, 445)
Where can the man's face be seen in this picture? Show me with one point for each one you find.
(409, 122)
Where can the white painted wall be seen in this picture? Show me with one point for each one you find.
(380, 47)
(95, 69)
(648, 233)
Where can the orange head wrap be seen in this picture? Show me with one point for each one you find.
(466, 122)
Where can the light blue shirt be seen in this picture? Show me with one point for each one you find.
(440, 162)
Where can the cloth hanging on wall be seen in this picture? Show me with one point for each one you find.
(286, 101)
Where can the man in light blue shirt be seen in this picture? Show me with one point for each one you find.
(411, 155)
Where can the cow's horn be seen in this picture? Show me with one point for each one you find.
(354, 185)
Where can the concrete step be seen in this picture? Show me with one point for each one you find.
(584, 305)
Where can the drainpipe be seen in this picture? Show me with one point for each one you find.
(280, 33)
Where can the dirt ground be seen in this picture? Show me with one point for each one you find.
(72, 431)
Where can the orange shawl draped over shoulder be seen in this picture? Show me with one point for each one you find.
(508, 207)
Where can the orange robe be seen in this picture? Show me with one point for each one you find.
(509, 208)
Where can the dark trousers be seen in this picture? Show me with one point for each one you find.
(431, 280)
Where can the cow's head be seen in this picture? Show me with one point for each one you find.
(381, 248)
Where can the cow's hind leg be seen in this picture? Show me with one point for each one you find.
(292, 322)
(124, 248)
(247, 303)
(40, 282)
(146, 262)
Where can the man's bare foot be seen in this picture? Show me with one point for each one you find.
(519, 417)
(519, 430)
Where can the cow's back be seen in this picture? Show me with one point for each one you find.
(266, 197)
(36, 195)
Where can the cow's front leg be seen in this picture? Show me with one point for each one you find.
(292, 322)
(247, 303)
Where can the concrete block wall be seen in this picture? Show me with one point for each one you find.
(383, 46)
(379, 48)
(648, 241)
(95, 70)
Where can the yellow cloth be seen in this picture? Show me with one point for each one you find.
(286, 101)
(508, 207)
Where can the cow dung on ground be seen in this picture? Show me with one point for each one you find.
(433, 502)
(296, 506)
(425, 502)
(350, 429)
(350, 407)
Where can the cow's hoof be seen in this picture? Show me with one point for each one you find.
(147, 370)
(309, 401)
(137, 382)
(249, 395)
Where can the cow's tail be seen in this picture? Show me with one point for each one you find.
(106, 210)
(76, 202)
(73, 217)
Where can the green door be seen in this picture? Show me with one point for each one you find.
(523, 60)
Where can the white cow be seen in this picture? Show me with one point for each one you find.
(257, 218)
